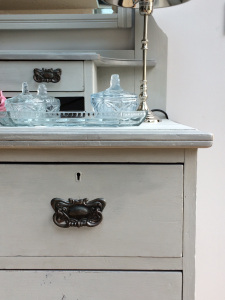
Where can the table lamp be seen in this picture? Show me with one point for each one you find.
(145, 8)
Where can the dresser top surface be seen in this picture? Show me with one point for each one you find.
(165, 134)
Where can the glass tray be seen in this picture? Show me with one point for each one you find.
(15, 119)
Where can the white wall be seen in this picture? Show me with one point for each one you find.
(196, 97)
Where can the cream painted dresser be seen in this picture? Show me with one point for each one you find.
(144, 246)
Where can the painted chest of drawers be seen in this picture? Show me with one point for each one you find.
(143, 248)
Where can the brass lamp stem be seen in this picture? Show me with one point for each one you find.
(145, 9)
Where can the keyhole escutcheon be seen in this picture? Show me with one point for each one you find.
(78, 176)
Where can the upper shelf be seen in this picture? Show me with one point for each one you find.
(117, 62)
(47, 55)
(122, 19)
(99, 60)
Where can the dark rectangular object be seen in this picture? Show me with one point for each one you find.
(71, 103)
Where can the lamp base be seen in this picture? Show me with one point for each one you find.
(151, 118)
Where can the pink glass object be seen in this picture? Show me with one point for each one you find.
(2, 102)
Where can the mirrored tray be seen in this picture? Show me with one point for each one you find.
(15, 119)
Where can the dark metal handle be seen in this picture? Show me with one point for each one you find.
(77, 213)
(47, 75)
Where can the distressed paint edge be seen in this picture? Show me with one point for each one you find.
(102, 144)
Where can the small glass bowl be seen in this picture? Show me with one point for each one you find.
(52, 103)
(114, 99)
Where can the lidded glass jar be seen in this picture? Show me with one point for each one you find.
(114, 99)
(52, 104)
(25, 102)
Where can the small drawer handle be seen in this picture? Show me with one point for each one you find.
(77, 213)
(47, 75)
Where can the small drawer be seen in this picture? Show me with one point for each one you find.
(91, 285)
(13, 73)
(143, 214)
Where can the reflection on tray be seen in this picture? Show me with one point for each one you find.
(15, 119)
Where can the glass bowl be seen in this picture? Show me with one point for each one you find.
(114, 99)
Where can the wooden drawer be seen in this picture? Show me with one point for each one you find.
(90, 285)
(143, 215)
(13, 73)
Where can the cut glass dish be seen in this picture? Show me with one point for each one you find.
(25, 103)
(82, 119)
(52, 104)
(114, 99)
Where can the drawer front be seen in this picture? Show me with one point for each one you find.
(12, 74)
(51, 285)
(143, 215)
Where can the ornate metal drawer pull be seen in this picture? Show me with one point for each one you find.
(47, 75)
(77, 213)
